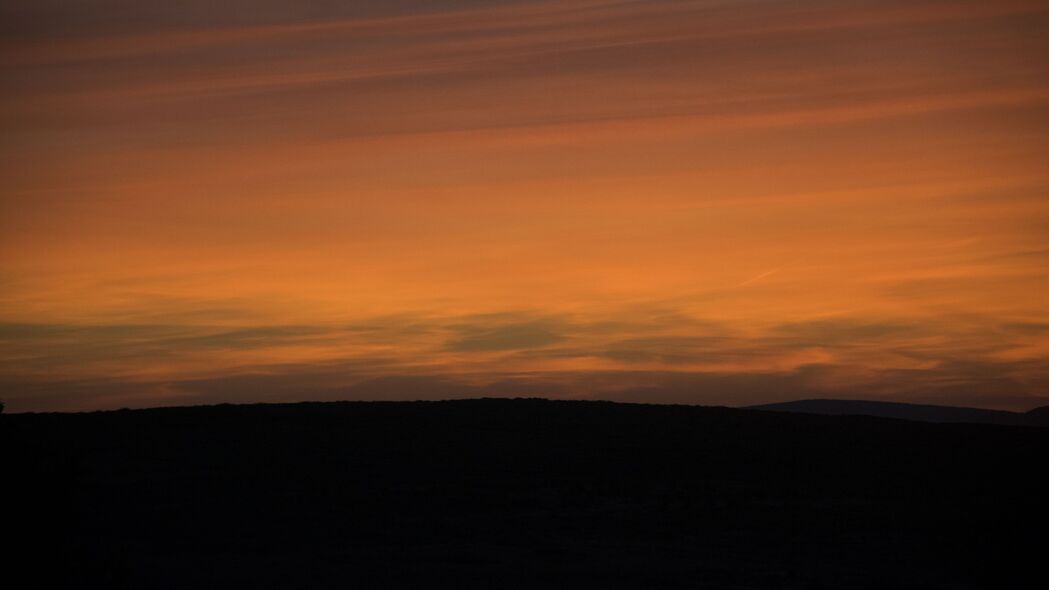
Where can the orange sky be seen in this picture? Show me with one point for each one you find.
(710, 201)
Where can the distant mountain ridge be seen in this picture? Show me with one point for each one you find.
(916, 412)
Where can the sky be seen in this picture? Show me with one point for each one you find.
(719, 202)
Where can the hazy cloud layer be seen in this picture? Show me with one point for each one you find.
(672, 200)
(520, 354)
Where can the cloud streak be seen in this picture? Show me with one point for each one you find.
(79, 367)
(588, 198)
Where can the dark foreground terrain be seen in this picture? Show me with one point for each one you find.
(921, 413)
(519, 493)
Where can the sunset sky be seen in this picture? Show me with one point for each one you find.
(709, 201)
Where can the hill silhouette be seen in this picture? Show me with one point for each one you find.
(518, 494)
(919, 412)
(1037, 416)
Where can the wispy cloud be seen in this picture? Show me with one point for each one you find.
(690, 200)
(518, 353)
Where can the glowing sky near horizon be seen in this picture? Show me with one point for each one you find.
(711, 201)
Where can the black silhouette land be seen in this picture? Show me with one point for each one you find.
(920, 412)
(524, 493)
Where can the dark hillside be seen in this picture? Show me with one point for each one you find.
(519, 493)
(1038, 416)
(919, 412)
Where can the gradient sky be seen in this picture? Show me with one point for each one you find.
(711, 201)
